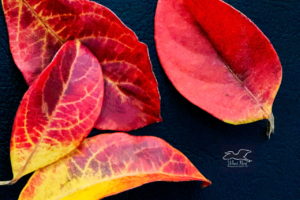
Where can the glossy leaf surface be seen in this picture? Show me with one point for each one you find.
(217, 59)
(108, 164)
(58, 111)
(37, 29)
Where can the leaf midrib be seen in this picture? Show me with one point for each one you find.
(231, 71)
(47, 27)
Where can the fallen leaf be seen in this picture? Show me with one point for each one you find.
(58, 111)
(37, 29)
(218, 59)
(108, 164)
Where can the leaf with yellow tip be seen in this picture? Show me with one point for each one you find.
(108, 164)
(58, 111)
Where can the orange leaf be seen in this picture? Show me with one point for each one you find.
(37, 29)
(58, 111)
(218, 59)
(108, 164)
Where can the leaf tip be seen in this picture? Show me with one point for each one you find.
(205, 183)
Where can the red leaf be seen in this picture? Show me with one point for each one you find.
(38, 28)
(108, 164)
(58, 111)
(217, 59)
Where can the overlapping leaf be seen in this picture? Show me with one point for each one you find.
(217, 59)
(108, 164)
(37, 29)
(58, 111)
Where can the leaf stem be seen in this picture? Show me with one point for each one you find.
(271, 125)
(10, 182)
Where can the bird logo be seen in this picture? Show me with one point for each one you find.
(240, 155)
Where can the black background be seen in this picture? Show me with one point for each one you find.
(274, 172)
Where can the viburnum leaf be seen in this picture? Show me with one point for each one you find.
(37, 29)
(218, 59)
(108, 164)
(58, 111)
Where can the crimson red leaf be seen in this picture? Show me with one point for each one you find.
(58, 111)
(108, 164)
(37, 29)
(218, 59)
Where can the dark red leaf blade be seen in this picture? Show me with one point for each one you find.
(58, 111)
(37, 29)
(217, 59)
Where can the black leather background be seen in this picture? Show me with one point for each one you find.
(274, 171)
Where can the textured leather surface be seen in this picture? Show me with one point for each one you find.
(274, 171)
